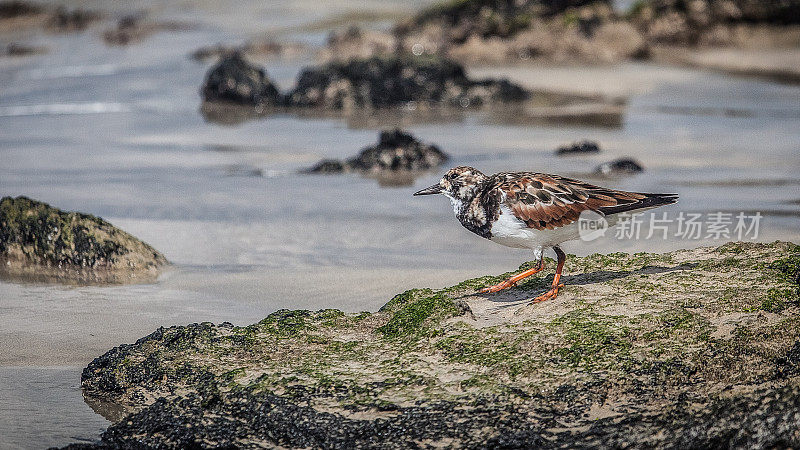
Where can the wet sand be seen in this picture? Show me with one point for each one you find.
(781, 65)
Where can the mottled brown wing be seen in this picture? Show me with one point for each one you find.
(545, 201)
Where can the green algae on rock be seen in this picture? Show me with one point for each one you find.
(639, 350)
(40, 242)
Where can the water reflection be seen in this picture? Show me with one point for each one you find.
(548, 109)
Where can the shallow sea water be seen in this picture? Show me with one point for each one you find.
(117, 132)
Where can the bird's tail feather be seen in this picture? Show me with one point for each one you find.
(648, 202)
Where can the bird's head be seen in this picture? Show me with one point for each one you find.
(459, 184)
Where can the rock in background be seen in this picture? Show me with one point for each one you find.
(38, 241)
(497, 31)
(21, 15)
(620, 166)
(382, 82)
(709, 22)
(396, 151)
(577, 148)
(234, 80)
(577, 31)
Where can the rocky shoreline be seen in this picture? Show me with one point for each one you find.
(693, 348)
(42, 243)
(592, 32)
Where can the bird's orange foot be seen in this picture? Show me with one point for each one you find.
(498, 287)
(552, 293)
(513, 280)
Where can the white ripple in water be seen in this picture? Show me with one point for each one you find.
(64, 109)
(69, 72)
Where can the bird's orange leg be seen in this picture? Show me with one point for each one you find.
(513, 280)
(553, 292)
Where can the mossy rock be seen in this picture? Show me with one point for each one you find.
(638, 350)
(40, 242)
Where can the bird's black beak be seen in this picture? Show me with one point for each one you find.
(435, 189)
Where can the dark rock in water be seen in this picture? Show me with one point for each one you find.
(396, 151)
(418, 83)
(234, 80)
(14, 49)
(579, 147)
(619, 166)
(327, 166)
(380, 82)
(40, 241)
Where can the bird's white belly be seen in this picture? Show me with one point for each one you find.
(509, 231)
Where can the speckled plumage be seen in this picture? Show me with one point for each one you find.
(541, 201)
(533, 210)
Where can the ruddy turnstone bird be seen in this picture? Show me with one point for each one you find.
(533, 210)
